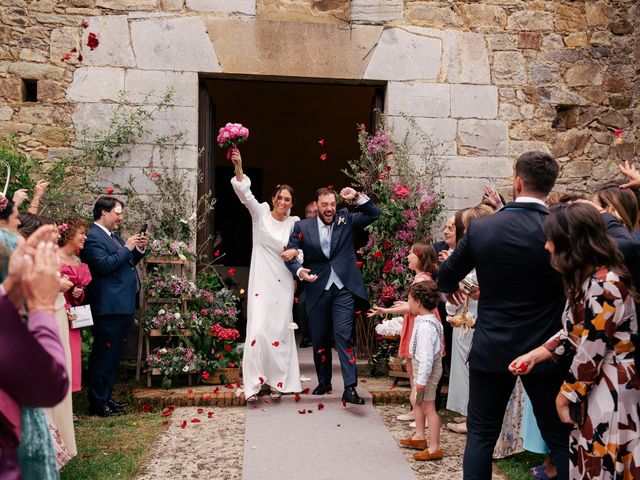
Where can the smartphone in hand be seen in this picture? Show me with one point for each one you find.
(143, 230)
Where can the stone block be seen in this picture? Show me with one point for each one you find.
(52, 136)
(508, 112)
(114, 48)
(501, 41)
(323, 11)
(244, 7)
(5, 114)
(530, 40)
(621, 27)
(559, 96)
(509, 68)
(50, 91)
(462, 192)
(128, 5)
(572, 141)
(96, 84)
(171, 5)
(93, 116)
(597, 14)
(13, 128)
(438, 132)
(483, 137)
(584, 74)
(150, 86)
(292, 49)
(31, 55)
(431, 14)
(173, 44)
(578, 39)
(517, 148)
(479, 167)
(571, 18)
(552, 41)
(481, 16)
(474, 101)
(418, 99)
(177, 120)
(11, 89)
(465, 58)
(614, 119)
(405, 55)
(36, 114)
(541, 73)
(600, 38)
(530, 21)
(376, 11)
(36, 71)
(577, 169)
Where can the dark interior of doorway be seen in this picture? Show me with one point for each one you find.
(286, 122)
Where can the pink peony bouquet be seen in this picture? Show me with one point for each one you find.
(231, 135)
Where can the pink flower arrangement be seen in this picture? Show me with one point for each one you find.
(378, 143)
(402, 191)
(222, 333)
(231, 135)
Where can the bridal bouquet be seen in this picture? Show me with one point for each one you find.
(231, 135)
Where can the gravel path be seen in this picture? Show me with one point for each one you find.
(209, 449)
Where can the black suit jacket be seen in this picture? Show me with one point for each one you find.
(627, 244)
(306, 237)
(521, 296)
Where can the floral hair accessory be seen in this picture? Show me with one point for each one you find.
(4, 201)
(63, 227)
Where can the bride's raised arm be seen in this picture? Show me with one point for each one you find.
(242, 186)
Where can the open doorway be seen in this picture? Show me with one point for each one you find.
(286, 122)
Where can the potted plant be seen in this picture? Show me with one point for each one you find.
(170, 362)
(220, 353)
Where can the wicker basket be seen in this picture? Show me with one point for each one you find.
(389, 337)
(223, 376)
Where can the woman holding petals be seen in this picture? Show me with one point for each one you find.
(270, 356)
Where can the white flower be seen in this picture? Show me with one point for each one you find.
(185, 369)
(177, 316)
(161, 312)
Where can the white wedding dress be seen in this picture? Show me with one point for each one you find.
(270, 356)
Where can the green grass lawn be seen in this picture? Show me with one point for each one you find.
(518, 467)
(114, 447)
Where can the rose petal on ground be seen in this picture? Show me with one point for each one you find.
(171, 407)
(297, 397)
(279, 385)
(166, 413)
(302, 412)
(184, 424)
(189, 390)
(210, 414)
(320, 406)
(267, 401)
(195, 420)
(200, 410)
(309, 411)
(166, 422)
(305, 391)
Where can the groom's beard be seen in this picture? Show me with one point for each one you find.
(324, 220)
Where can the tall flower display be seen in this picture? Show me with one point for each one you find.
(403, 185)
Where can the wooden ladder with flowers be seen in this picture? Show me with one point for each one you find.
(144, 337)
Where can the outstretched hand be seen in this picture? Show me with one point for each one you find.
(349, 194)
(630, 171)
(307, 276)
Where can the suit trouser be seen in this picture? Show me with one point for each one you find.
(109, 337)
(302, 317)
(489, 394)
(339, 305)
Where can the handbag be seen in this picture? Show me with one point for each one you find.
(462, 319)
(578, 412)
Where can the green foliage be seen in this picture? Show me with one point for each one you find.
(403, 184)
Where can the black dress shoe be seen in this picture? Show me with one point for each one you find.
(322, 389)
(305, 343)
(104, 411)
(116, 405)
(351, 395)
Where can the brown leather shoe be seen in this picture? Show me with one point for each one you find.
(415, 444)
(426, 456)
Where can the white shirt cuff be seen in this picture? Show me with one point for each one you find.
(362, 199)
(298, 273)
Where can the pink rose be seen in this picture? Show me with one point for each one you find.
(402, 191)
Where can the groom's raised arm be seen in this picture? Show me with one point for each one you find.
(295, 241)
(369, 212)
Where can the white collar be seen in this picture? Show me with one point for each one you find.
(322, 224)
(530, 200)
(106, 230)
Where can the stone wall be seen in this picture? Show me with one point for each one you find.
(488, 80)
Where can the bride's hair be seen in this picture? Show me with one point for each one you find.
(286, 187)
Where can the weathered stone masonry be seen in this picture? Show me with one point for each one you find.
(488, 80)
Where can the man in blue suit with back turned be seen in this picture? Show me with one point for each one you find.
(334, 282)
(112, 294)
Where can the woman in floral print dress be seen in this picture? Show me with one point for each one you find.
(599, 321)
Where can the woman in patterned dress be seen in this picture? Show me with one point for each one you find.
(599, 321)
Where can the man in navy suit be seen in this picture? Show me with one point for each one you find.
(334, 282)
(520, 307)
(112, 294)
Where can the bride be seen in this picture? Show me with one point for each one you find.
(270, 356)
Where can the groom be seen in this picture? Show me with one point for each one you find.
(334, 282)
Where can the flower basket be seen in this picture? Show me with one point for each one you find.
(397, 364)
(393, 338)
(223, 376)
